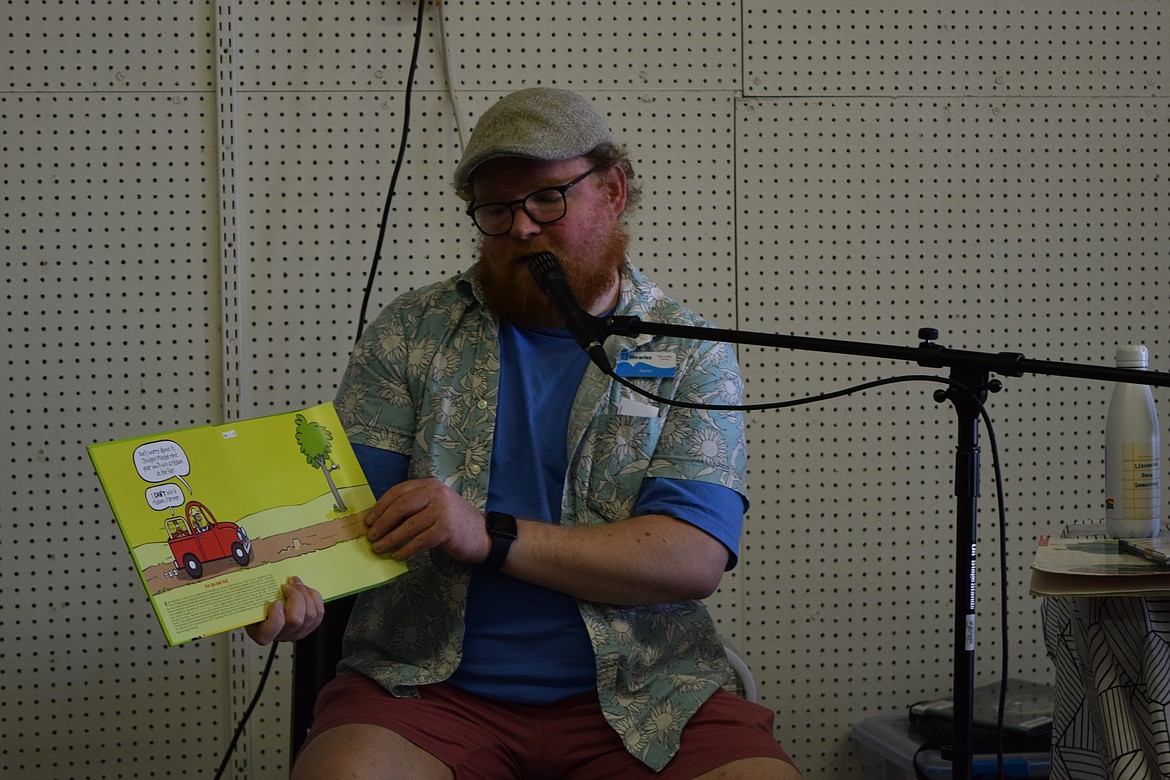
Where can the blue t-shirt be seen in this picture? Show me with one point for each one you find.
(524, 642)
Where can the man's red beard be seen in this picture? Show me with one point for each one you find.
(512, 293)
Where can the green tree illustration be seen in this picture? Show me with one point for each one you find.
(315, 442)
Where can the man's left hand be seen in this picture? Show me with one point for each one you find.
(421, 514)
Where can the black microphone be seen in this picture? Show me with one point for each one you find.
(583, 326)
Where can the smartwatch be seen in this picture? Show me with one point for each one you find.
(501, 529)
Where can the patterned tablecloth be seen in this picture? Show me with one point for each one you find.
(1112, 658)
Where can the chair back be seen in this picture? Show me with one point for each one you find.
(315, 660)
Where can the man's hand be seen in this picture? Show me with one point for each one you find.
(422, 514)
(293, 617)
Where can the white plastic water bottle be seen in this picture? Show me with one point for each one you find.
(1133, 455)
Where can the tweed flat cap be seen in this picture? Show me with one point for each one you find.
(540, 123)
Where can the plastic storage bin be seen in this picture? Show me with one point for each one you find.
(886, 745)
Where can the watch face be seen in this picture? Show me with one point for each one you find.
(501, 526)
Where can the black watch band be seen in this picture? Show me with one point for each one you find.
(501, 530)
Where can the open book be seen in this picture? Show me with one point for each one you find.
(218, 517)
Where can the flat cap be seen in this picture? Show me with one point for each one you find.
(540, 123)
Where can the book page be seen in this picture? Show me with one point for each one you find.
(217, 518)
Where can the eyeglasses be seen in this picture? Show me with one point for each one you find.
(543, 206)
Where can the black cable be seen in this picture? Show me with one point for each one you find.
(1004, 627)
(361, 326)
(791, 402)
(231, 748)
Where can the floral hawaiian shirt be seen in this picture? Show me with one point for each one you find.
(423, 381)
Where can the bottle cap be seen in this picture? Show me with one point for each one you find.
(1132, 356)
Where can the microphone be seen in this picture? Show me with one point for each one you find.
(583, 326)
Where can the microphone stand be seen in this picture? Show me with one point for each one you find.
(970, 370)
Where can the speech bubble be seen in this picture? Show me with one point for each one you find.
(161, 460)
(162, 497)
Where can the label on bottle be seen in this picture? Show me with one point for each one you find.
(1140, 496)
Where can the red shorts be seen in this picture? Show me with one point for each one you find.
(482, 739)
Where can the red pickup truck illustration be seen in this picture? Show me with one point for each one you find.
(195, 538)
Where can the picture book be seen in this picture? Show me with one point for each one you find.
(218, 517)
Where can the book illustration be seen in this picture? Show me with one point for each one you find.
(201, 540)
(314, 440)
(193, 537)
(237, 509)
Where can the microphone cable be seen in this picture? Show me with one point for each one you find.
(409, 94)
(405, 132)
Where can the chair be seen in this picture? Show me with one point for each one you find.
(315, 660)
(744, 685)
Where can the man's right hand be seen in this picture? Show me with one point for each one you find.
(290, 618)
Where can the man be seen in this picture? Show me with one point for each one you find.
(561, 634)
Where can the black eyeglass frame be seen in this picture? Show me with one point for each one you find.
(561, 189)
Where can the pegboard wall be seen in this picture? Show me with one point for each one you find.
(191, 197)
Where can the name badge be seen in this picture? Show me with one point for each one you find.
(645, 364)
